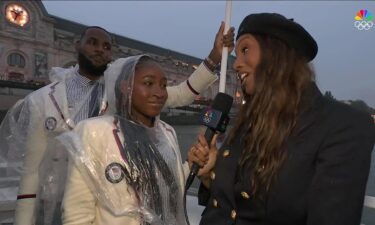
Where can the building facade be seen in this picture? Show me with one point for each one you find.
(33, 41)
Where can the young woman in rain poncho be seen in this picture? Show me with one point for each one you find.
(126, 168)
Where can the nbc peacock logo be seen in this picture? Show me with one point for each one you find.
(363, 20)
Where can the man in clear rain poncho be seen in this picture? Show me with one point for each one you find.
(27, 133)
(126, 168)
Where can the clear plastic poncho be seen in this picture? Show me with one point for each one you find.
(13, 133)
(134, 172)
(28, 150)
(15, 130)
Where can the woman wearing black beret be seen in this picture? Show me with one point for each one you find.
(292, 157)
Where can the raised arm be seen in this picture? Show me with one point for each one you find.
(185, 92)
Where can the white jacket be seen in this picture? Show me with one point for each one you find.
(48, 114)
(100, 138)
(48, 121)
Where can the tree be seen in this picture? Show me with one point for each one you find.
(329, 95)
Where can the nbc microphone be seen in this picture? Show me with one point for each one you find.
(215, 118)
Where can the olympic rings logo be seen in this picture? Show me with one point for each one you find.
(363, 25)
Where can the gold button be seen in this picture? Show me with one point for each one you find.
(226, 153)
(212, 175)
(214, 202)
(260, 169)
(245, 195)
(233, 214)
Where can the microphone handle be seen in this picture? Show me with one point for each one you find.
(209, 134)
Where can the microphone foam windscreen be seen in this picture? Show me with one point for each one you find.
(222, 103)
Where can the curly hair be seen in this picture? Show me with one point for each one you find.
(269, 115)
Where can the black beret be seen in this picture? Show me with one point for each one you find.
(278, 26)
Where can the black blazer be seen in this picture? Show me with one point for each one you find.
(322, 181)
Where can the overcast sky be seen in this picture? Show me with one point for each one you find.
(345, 64)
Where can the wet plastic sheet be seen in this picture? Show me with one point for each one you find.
(100, 156)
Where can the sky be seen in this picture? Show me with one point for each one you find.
(344, 65)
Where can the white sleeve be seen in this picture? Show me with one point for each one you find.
(34, 146)
(79, 202)
(184, 93)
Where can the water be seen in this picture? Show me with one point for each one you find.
(187, 136)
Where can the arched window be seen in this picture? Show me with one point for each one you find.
(17, 60)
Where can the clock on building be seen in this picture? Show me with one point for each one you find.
(16, 14)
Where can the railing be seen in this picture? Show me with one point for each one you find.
(21, 85)
(369, 201)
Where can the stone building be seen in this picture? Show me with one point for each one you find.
(32, 41)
